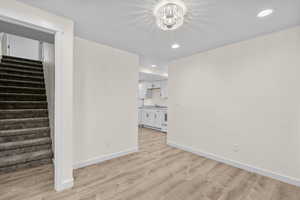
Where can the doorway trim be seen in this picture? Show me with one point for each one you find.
(43, 21)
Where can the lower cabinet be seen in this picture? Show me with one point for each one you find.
(151, 118)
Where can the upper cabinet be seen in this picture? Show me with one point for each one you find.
(154, 85)
(145, 89)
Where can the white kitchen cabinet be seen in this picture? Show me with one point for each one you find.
(154, 85)
(157, 118)
(153, 118)
(144, 91)
(147, 117)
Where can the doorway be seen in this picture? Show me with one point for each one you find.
(17, 13)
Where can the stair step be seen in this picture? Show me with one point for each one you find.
(27, 165)
(24, 158)
(22, 97)
(25, 139)
(24, 143)
(15, 135)
(29, 149)
(21, 132)
(21, 59)
(9, 124)
(20, 83)
(13, 71)
(23, 90)
(11, 105)
(22, 67)
(27, 113)
(20, 62)
(21, 77)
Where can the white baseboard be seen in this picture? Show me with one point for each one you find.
(263, 172)
(65, 185)
(104, 158)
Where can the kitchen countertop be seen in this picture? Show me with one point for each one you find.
(154, 107)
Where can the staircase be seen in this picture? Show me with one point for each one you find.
(24, 124)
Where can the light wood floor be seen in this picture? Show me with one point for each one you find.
(157, 172)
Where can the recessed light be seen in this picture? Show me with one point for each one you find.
(265, 13)
(153, 65)
(175, 46)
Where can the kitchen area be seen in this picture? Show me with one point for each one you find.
(152, 98)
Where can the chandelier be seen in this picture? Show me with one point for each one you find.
(170, 14)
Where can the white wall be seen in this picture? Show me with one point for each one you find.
(14, 11)
(106, 82)
(3, 44)
(49, 75)
(23, 47)
(242, 97)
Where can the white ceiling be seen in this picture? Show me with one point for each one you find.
(151, 77)
(26, 32)
(130, 25)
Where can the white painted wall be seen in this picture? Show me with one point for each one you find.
(11, 10)
(49, 75)
(23, 47)
(1, 43)
(244, 95)
(106, 82)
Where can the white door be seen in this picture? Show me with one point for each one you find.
(157, 119)
(23, 47)
(145, 117)
(150, 117)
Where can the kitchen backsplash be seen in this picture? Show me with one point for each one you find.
(156, 99)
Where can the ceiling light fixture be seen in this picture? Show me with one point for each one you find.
(153, 65)
(175, 46)
(170, 14)
(265, 13)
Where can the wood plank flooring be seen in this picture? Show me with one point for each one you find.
(157, 172)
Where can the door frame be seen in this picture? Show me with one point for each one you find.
(63, 173)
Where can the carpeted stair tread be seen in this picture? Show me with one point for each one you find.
(23, 105)
(21, 77)
(20, 71)
(23, 113)
(23, 158)
(9, 124)
(27, 63)
(25, 137)
(21, 59)
(22, 90)
(24, 143)
(22, 83)
(22, 166)
(22, 150)
(22, 67)
(28, 131)
(22, 97)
